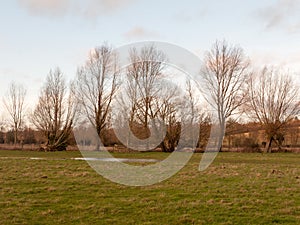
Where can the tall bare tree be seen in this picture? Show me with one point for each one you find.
(155, 106)
(273, 101)
(14, 103)
(144, 74)
(225, 74)
(143, 88)
(97, 83)
(55, 112)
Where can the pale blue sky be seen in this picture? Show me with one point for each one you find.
(37, 35)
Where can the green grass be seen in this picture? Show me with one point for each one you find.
(236, 189)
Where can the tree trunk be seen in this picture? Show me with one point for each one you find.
(269, 149)
(15, 136)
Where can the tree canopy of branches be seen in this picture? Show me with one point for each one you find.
(137, 96)
(273, 101)
(168, 108)
(150, 99)
(153, 105)
(96, 85)
(55, 112)
(225, 74)
(143, 74)
(14, 103)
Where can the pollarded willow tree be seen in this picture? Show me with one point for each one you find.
(140, 93)
(14, 103)
(225, 74)
(96, 85)
(143, 75)
(273, 101)
(152, 104)
(55, 112)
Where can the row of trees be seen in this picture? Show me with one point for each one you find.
(148, 103)
(269, 96)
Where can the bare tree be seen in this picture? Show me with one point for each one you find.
(144, 89)
(155, 106)
(144, 73)
(168, 108)
(273, 101)
(225, 74)
(14, 103)
(97, 83)
(55, 112)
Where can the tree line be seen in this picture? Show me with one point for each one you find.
(268, 97)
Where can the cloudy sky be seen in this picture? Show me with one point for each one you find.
(37, 35)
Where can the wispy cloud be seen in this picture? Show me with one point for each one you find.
(85, 8)
(283, 14)
(140, 32)
(288, 60)
(53, 7)
(185, 16)
(95, 8)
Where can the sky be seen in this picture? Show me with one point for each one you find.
(39, 35)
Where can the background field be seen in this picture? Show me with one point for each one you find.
(238, 188)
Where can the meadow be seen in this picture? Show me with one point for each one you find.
(238, 188)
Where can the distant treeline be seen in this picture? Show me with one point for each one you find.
(148, 97)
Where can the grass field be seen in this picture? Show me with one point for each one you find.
(236, 189)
